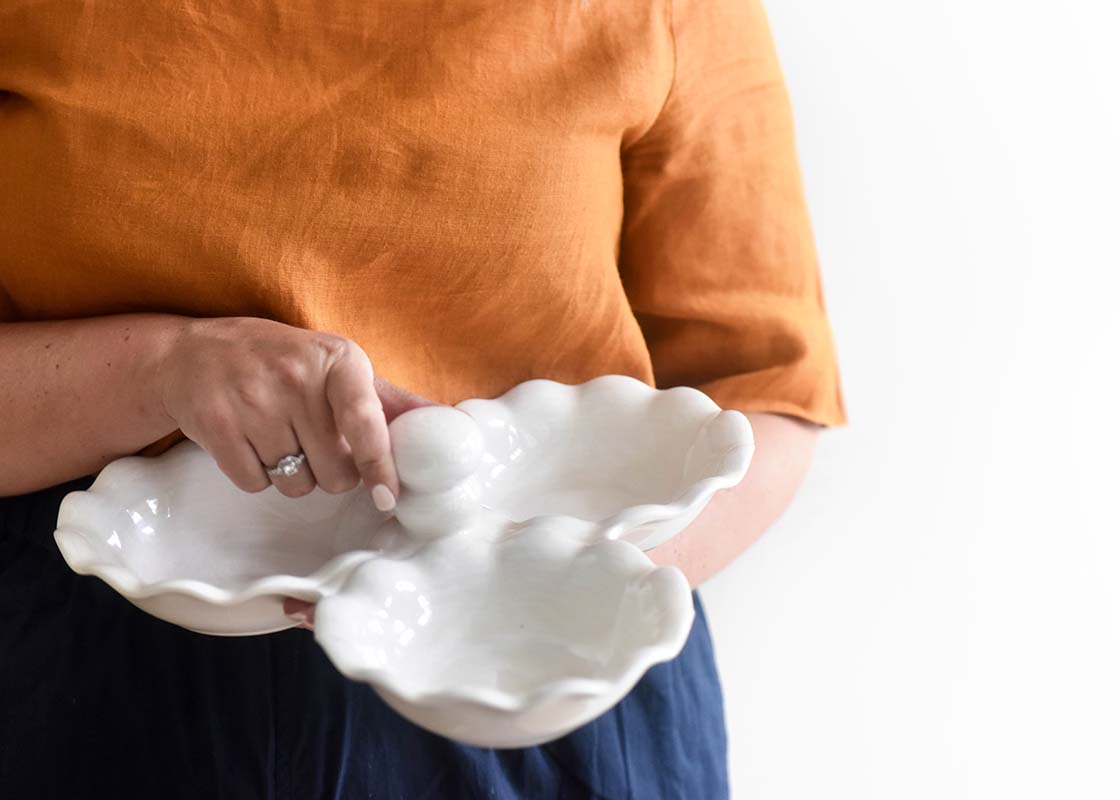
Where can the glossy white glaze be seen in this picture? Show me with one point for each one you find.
(506, 643)
(613, 456)
(437, 450)
(175, 537)
(536, 622)
(624, 460)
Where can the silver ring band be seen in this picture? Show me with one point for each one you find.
(288, 465)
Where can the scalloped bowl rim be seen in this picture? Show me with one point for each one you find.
(674, 593)
(130, 585)
(79, 553)
(736, 459)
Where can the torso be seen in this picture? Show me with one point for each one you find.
(440, 182)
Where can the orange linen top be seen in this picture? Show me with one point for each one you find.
(477, 192)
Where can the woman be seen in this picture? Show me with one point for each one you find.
(221, 220)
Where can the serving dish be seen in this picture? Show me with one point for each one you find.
(522, 520)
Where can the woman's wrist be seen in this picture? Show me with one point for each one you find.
(159, 364)
(737, 517)
(81, 393)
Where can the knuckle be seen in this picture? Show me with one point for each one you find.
(370, 465)
(218, 423)
(252, 395)
(336, 348)
(290, 373)
(344, 346)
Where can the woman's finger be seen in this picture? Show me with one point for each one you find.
(274, 442)
(360, 418)
(395, 400)
(237, 459)
(223, 440)
(301, 611)
(327, 451)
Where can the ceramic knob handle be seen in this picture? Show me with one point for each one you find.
(437, 450)
(435, 447)
(436, 514)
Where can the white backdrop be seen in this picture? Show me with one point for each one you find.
(938, 616)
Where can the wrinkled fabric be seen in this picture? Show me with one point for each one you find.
(100, 700)
(478, 193)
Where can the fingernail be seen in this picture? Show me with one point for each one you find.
(383, 498)
(298, 616)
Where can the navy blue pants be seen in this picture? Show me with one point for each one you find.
(100, 700)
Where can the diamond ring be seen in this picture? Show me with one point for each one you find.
(288, 465)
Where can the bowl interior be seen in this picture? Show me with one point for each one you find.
(513, 616)
(583, 453)
(180, 517)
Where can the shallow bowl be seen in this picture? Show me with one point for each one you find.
(507, 642)
(176, 538)
(614, 456)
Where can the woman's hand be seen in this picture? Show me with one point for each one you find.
(251, 391)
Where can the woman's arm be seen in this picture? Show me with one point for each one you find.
(738, 517)
(719, 262)
(76, 394)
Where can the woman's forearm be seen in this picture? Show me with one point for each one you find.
(736, 518)
(76, 394)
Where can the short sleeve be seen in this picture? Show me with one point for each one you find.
(717, 256)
